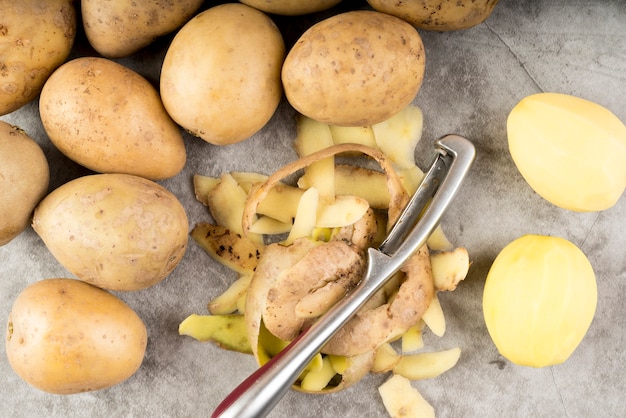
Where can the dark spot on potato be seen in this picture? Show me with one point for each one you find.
(4, 31)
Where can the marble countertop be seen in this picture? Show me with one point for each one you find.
(473, 79)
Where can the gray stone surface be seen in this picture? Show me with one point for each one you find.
(473, 79)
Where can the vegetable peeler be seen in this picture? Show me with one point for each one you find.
(257, 395)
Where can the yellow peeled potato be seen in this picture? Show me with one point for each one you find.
(115, 231)
(110, 119)
(571, 151)
(24, 178)
(539, 300)
(120, 28)
(35, 38)
(220, 78)
(65, 336)
(356, 68)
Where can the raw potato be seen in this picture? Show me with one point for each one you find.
(24, 177)
(539, 299)
(439, 15)
(65, 336)
(356, 68)
(291, 7)
(570, 151)
(120, 28)
(110, 119)
(220, 78)
(35, 38)
(115, 231)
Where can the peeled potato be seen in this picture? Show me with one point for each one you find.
(539, 300)
(570, 151)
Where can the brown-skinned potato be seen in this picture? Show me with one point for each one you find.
(24, 178)
(65, 336)
(438, 15)
(109, 119)
(35, 38)
(355, 68)
(115, 231)
(120, 28)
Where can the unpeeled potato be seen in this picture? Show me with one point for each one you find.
(35, 38)
(220, 78)
(115, 231)
(110, 119)
(356, 68)
(24, 177)
(439, 15)
(64, 336)
(120, 28)
(291, 7)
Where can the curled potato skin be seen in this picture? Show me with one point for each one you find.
(373, 327)
(333, 263)
(398, 195)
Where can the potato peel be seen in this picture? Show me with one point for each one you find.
(398, 195)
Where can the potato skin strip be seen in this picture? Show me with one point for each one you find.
(398, 195)
(373, 327)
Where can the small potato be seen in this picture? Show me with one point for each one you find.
(354, 69)
(110, 119)
(24, 177)
(120, 28)
(291, 7)
(64, 336)
(115, 231)
(439, 15)
(221, 74)
(35, 38)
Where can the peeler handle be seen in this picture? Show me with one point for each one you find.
(257, 395)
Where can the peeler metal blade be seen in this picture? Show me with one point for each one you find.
(262, 390)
